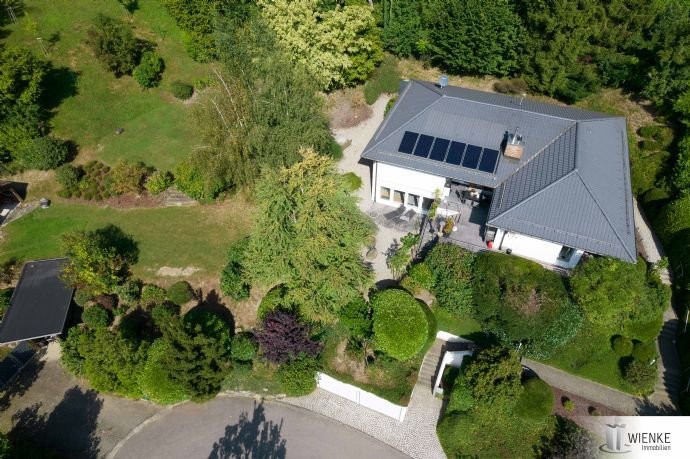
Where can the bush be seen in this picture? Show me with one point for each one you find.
(621, 345)
(154, 380)
(654, 200)
(273, 300)
(43, 153)
(190, 181)
(356, 318)
(129, 292)
(419, 277)
(352, 182)
(451, 268)
(232, 281)
(536, 400)
(641, 375)
(284, 337)
(180, 293)
(82, 297)
(648, 145)
(511, 86)
(389, 105)
(400, 325)
(243, 348)
(662, 134)
(644, 351)
(386, 78)
(148, 72)
(128, 177)
(298, 377)
(153, 295)
(568, 405)
(181, 90)
(113, 43)
(158, 182)
(95, 316)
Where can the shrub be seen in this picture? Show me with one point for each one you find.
(648, 145)
(461, 398)
(274, 299)
(494, 374)
(243, 348)
(511, 86)
(568, 405)
(152, 295)
(298, 377)
(621, 345)
(557, 333)
(662, 134)
(451, 268)
(155, 381)
(389, 105)
(352, 182)
(180, 293)
(82, 297)
(400, 325)
(43, 153)
(181, 90)
(128, 177)
(129, 292)
(569, 440)
(232, 280)
(158, 182)
(96, 316)
(644, 351)
(641, 375)
(401, 258)
(283, 337)
(148, 72)
(356, 318)
(190, 181)
(536, 400)
(419, 277)
(386, 78)
(113, 43)
(653, 200)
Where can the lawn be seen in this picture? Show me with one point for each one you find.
(176, 237)
(91, 103)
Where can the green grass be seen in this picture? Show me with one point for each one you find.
(466, 327)
(176, 237)
(536, 401)
(157, 126)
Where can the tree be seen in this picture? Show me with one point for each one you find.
(569, 440)
(42, 153)
(98, 260)
(22, 76)
(232, 281)
(340, 46)
(309, 236)
(155, 381)
(404, 32)
(284, 337)
(198, 351)
(494, 375)
(356, 317)
(400, 325)
(148, 72)
(474, 36)
(96, 316)
(128, 177)
(114, 44)
(619, 297)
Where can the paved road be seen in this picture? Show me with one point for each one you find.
(236, 427)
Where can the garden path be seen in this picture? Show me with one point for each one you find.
(414, 436)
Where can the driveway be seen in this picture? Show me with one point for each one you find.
(239, 427)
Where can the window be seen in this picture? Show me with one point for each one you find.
(413, 200)
(426, 204)
(566, 253)
(398, 196)
(385, 193)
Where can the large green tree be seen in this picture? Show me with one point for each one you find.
(403, 31)
(309, 236)
(474, 36)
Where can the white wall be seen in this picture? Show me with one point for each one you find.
(450, 359)
(533, 248)
(361, 397)
(408, 181)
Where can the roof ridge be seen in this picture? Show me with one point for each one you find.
(543, 149)
(613, 228)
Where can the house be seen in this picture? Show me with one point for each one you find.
(543, 181)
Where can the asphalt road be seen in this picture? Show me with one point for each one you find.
(243, 428)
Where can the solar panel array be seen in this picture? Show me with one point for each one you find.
(450, 152)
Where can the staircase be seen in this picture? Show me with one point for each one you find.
(427, 373)
(172, 197)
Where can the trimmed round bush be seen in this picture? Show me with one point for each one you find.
(352, 182)
(243, 348)
(535, 401)
(180, 293)
(400, 325)
(622, 345)
(644, 351)
(181, 90)
(641, 375)
(298, 377)
(148, 72)
(154, 379)
(95, 316)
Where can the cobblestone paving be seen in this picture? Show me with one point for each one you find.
(415, 436)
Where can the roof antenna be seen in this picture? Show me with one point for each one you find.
(522, 99)
(514, 140)
(443, 81)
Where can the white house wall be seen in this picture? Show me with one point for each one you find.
(535, 249)
(404, 180)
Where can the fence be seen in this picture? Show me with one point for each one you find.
(361, 397)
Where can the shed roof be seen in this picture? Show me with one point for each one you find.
(39, 304)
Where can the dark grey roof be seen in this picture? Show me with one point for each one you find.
(572, 184)
(39, 304)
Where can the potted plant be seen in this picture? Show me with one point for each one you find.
(448, 226)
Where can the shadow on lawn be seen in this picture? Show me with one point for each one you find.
(255, 437)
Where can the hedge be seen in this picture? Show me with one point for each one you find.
(400, 325)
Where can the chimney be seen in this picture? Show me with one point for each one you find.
(442, 81)
(514, 146)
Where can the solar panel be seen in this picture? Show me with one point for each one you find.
(408, 141)
(423, 146)
(455, 153)
(471, 158)
(438, 152)
(488, 161)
